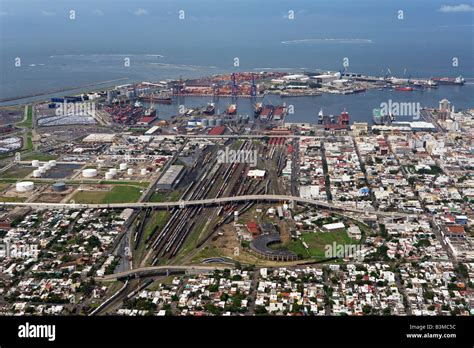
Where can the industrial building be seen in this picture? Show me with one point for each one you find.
(99, 138)
(170, 178)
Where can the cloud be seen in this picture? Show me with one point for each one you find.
(141, 12)
(98, 13)
(456, 8)
(4, 13)
(47, 13)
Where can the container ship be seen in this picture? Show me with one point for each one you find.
(449, 80)
(150, 112)
(320, 117)
(332, 123)
(266, 113)
(258, 109)
(210, 109)
(159, 98)
(279, 113)
(231, 109)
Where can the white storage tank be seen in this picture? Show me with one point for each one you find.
(35, 163)
(47, 166)
(36, 173)
(25, 186)
(130, 171)
(143, 171)
(52, 163)
(123, 166)
(113, 171)
(42, 170)
(89, 173)
(109, 176)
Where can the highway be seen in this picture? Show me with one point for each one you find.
(208, 201)
(160, 270)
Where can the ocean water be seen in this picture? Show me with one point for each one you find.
(58, 52)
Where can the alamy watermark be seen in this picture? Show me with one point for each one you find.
(78, 108)
(28, 330)
(237, 156)
(342, 251)
(18, 251)
(400, 109)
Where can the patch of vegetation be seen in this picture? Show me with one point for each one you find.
(317, 242)
(172, 196)
(118, 194)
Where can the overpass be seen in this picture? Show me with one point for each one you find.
(233, 136)
(207, 201)
(160, 270)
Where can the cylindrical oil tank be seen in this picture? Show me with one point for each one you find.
(89, 173)
(109, 176)
(35, 163)
(113, 171)
(24, 186)
(123, 166)
(59, 186)
(130, 171)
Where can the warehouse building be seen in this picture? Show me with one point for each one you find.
(170, 178)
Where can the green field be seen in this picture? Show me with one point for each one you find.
(12, 199)
(165, 197)
(118, 194)
(28, 143)
(317, 242)
(38, 156)
(207, 252)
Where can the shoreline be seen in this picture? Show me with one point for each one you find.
(60, 90)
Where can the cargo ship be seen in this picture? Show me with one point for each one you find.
(380, 119)
(330, 122)
(459, 81)
(430, 84)
(279, 113)
(258, 109)
(210, 109)
(150, 112)
(266, 113)
(231, 109)
(157, 98)
(320, 116)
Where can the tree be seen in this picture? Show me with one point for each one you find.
(367, 309)
(260, 310)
